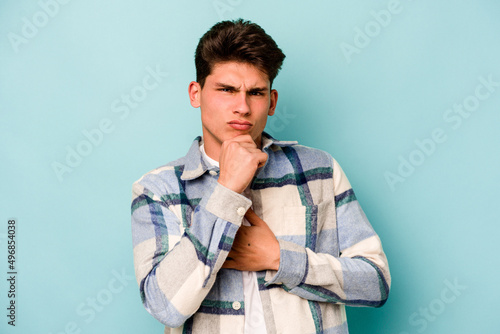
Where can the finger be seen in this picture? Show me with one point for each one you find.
(229, 264)
(245, 144)
(243, 139)
(257, 153)
(232, 255)
(249, 145)
(262, 159)
(241, 232)
(253, 219)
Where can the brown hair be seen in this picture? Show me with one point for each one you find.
(241, 41)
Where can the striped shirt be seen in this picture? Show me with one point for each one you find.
(184, 223)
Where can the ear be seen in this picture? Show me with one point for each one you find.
(274, 101)
(194, 90)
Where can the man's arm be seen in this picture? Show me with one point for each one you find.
(175, 266)
(358, 277)
(255, 247)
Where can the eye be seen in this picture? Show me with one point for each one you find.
(228, 90)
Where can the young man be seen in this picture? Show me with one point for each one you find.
(248, 234)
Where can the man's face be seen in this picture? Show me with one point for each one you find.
(236, 99)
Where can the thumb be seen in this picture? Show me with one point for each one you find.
(253, 219)
(262, 159)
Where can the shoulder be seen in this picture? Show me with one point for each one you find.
(308, 157)
(311, 153)
(170, 173)
(324, 163)
(161, 178)
(314, 160)
(166, 170)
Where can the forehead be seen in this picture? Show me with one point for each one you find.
(237, 73)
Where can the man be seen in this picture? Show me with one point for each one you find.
(248, 234)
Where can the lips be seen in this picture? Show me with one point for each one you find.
(239, 124)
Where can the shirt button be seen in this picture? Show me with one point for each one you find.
(236, 305)
(241, 211)
(213, 172)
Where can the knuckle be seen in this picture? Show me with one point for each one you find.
(231, 144)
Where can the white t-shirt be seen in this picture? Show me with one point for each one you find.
(254, 313)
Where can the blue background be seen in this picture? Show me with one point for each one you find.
(368, 107)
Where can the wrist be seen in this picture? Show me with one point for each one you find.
(230, 186)
(275, 263)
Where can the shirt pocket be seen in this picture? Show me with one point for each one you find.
(293, 220)
(301, 224)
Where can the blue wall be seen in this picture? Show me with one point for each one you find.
(405, 95)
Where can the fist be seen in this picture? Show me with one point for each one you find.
(239, 159)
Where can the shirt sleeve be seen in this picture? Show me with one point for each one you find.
(176, 265)
(358, 276)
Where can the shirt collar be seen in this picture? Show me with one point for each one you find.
(195, 165)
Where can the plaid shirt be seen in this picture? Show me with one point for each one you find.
(184, 223)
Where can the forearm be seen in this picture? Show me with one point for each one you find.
(351, 267)
(360, 277)
(176, 266)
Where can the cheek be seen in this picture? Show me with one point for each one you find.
(264, 105)
(210, 99)
(261, 123)
(263, 108)
(207, 117)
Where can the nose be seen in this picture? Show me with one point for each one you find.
(241, 104)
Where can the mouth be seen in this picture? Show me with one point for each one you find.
(239, 124)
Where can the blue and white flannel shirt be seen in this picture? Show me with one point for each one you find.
(184, 223)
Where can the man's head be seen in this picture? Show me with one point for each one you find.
(239, 41)
(236, 63)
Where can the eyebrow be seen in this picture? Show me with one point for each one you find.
(258, 89)
(223, 85)
(254, 89)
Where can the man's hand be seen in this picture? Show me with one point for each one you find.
(255, 247)
(239, 159)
